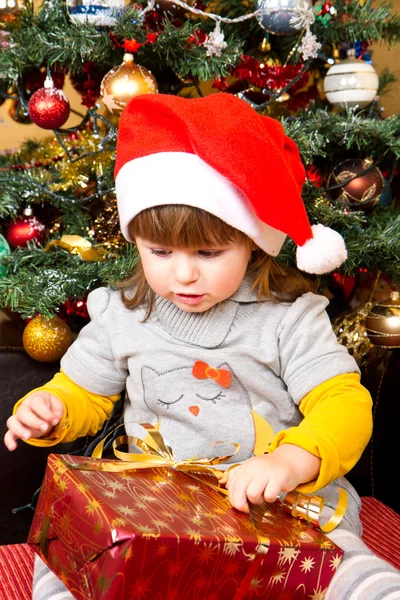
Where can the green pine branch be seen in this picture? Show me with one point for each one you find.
(38, 282)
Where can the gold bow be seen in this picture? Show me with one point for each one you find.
(75, 244)
(158, 453)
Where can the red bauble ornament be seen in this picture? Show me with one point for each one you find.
(75, 313)
(49, 107)
(24, 229)
(314, 175)
(356, 183)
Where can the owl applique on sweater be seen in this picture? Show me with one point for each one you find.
(198, 404)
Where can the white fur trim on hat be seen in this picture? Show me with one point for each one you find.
(323, 253)
(184, 178)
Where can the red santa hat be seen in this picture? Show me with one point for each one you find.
(218, 154)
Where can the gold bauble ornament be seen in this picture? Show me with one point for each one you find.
(46, 340)
(124, 82)
(383, 322)
(350, 329)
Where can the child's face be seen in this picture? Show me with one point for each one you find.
(194, 279)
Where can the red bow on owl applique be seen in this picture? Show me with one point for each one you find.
(202, 370)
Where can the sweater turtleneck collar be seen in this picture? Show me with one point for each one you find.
(206, 329)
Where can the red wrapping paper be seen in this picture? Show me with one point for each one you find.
(161, 534)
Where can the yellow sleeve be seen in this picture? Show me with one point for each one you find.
(84, 414)
(337, 426)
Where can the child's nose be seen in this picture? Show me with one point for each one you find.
(186, 270)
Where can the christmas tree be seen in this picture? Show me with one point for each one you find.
(308, 65)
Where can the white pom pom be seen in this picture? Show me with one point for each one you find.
(323, 253)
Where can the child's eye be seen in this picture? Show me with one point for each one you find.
(159, 252)
(210, 253)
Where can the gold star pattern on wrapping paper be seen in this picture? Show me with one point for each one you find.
(179, 507)
(109, 494)
(147, 532)
(335, 562)
(232, 547)
(278, 576)
(307, 564)
(37, 534)
(92, 506)
(255, 584)
(184, 497)
(288, 555)
(220, 511)
(128, 553)
(159, 479)
(193, 488)
(160, 524)
(193, 535)
(63, 576)
(210, 515)
(119, 521)
(318, 594)
(103, 583)
(116, 486)
(148, 498)
(97, 527)
(167, 514)
(62, 485)
(65, 522)
(83, 488)
(127, 511)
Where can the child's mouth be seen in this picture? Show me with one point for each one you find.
(191, 299)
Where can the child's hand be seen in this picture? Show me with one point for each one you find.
(35, 417)
(263, 477)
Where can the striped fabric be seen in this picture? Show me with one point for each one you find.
(381, 533)
(16, 569)
(381, 529)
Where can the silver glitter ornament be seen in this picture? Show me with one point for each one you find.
(285, 17)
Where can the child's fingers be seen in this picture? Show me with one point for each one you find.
(29, 418)
(57, 407)
(10, 441)
(18, 429)
(41, 405)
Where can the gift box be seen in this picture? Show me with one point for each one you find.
(164, 534)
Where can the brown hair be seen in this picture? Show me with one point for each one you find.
(183, 226)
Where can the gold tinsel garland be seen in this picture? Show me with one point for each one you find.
(72, 175)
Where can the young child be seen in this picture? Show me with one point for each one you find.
(210, 337)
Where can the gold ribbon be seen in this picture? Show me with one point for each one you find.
(75, 244)
(158, 453)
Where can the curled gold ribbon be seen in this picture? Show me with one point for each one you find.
(75, 244)
(158, 453)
